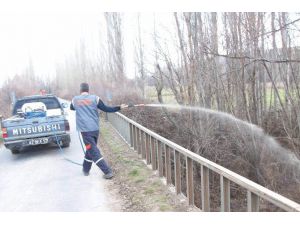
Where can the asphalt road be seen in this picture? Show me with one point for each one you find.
(41, 180)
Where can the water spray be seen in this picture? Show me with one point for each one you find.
(243, 128)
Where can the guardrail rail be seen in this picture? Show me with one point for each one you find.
(157, 151)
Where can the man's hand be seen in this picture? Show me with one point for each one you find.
(123, 106)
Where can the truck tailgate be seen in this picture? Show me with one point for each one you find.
(35, 127)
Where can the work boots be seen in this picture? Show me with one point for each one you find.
(108, 175)
(105, 176)
(85, 173)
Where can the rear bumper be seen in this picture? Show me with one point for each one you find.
(18, 144)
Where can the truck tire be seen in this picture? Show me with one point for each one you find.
(65, 144)
(15, 151)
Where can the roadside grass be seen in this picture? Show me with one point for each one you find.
(1, 139)
(147, 192)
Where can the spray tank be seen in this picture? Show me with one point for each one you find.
(34, 110)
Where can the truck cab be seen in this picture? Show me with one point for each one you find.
(36, 120)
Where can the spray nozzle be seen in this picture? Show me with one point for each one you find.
(130, 104)
(139, 105)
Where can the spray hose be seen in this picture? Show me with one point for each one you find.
(63, 154)
(130, 105)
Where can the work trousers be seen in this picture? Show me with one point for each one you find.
(93, 153)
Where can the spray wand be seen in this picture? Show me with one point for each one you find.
(136, 105)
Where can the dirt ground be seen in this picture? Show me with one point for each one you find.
(136, 187)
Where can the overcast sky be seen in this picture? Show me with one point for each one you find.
(48, 38)
(47, 32)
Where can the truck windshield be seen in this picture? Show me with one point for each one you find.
(51, 103)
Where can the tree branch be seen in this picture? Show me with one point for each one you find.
(279, 29)
(240, 57)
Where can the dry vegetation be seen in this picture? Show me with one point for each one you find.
(246, 150)
(249, 68)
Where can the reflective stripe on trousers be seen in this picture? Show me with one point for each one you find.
(93, 153)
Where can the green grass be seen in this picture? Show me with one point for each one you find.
(1, 139)
(167, 94)
(270, 95)
(164, 208)
(135, 174)
(149, 191)
(169, 97)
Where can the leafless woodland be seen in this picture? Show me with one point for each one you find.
(241, 63)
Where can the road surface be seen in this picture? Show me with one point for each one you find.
(40, 180)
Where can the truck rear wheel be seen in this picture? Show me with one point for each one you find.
(65, 144)
(15, 151)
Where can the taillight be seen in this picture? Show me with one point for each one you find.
(67, 126)
(4, 133)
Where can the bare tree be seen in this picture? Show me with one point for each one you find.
(115, 45)
(140, 59)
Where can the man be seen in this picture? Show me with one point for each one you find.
(87, 122)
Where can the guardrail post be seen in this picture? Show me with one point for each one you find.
(252, 202)
(119, 125)
(168, 164)
(225, 194)
(177, 172)
(147, 148)
(131, 134)
(154, 153)
(122, 127)
(205, 188)
(117, 121)
(189, 181)
(159, 158)
(134, 138)
(139, 141)
(126, 131)
(143, 144)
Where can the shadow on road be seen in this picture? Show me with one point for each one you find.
(36, 151)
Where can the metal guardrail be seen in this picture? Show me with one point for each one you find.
(157, 152)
